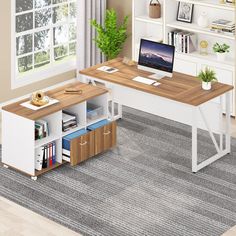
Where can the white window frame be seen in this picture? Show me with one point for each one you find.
(35, 76)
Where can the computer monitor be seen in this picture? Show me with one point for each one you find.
(157, 58)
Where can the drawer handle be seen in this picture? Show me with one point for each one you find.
(107, 133)
(82, 144)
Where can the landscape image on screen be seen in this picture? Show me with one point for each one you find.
(156, 55)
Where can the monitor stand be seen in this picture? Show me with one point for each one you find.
(156, 76)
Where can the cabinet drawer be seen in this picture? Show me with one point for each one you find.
(105, 137)
(185, 67)
(82, 148)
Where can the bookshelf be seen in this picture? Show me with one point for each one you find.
(191, 63)
(18, 126)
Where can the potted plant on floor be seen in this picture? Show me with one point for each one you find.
(111, 37)
(207, 76)
(221, 50)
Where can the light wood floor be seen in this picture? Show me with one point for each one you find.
(18, 221)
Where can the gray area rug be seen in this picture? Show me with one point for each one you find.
(142, 187)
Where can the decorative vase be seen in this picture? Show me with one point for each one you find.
(154, 9)
(206, 85)
(221, 56)
(202, 20)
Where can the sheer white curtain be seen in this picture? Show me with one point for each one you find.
(87, 52)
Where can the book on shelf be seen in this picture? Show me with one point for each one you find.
(45, 156)
(69, 120)
(41, 129)
(223, 26)
(184, 42)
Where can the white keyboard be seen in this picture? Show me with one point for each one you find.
(146, 81)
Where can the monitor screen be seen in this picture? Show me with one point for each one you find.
(156, 55)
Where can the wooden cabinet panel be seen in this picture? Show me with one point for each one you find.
(82, 148)
(105, 138)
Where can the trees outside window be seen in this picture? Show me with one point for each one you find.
(45, 35)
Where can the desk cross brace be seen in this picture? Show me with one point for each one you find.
(222, 148)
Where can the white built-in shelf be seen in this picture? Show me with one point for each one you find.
(46, 140)
(209, 57)
(211, 4)
(90, 122)
(79, 127)
(147, 19)
(197, 29)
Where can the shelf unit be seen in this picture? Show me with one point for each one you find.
(192, 63)
(18, 128)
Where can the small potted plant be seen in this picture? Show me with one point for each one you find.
(207, 76)
(221, 50)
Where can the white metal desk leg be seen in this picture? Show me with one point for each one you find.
(221, 123)
(194, 140)
(228, 135)
(120, 111)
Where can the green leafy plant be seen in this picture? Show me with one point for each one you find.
(221, 48)
(111, 37)
(207, 75)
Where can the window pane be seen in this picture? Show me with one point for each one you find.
(24, 44)
(42, 17)
(60, 52)
(41, 58)
(24, 5)
(72, 32)
(60, 34)
(58, 1)
(24, 22)
(73, 11)
(60, 13)
(41, 40)
(72, 49)
(25, 64)
(42, 3)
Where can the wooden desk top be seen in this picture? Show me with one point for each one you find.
(65, 100)
(181, 87)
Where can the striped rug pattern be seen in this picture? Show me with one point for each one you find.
(144, 187)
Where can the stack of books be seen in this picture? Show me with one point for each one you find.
(41, 129)
(184, 42)
(223, 26)
(69, 120)
(45, 156)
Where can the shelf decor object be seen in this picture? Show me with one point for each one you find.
(203, 47)
(221, 50)
(203, 20)
(185, 12)
(154, 9)
(207, 76)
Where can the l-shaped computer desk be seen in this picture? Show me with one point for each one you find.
(180, 98)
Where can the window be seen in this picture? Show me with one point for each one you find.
(44, 39)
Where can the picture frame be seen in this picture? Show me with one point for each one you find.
(185, 12)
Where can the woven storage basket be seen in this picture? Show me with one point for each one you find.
(154, 9)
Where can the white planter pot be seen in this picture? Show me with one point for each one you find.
(221, 56)
(206, 85)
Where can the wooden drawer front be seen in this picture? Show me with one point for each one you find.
(82, 148)
(105, 137)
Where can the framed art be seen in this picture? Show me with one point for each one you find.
(185, 12)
